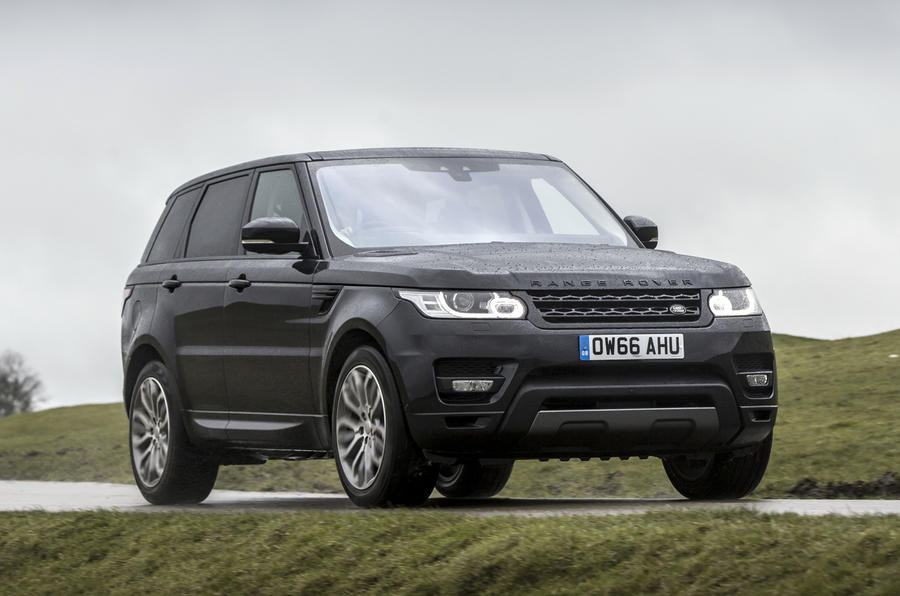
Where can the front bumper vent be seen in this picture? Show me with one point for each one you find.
(617, 306)
(752, 364)
(462, 369)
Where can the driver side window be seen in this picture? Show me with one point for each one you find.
(277, 195)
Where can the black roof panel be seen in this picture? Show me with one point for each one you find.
(362, 154)
(421, 152)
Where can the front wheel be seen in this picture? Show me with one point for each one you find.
(167, 468)
(472, 480)
(719, 476)
(377, 461)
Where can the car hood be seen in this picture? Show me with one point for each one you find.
(507, 266)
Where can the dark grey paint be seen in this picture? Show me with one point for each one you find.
(255, 340)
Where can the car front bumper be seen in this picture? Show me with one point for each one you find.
(552, 404)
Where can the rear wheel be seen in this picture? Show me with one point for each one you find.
(472, 480)
(719, 476)
(166, 467)
(377, 461)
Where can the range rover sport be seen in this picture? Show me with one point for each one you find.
(426, 317)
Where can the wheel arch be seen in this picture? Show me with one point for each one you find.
(352, 334)
(143, 352)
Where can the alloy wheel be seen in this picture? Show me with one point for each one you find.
(150, 432)
(360, 427)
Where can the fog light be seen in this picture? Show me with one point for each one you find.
(472, 385)
(757, 380)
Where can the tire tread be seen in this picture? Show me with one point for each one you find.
(411, 479)
(729, 477)
(476, 481)
(190, 474)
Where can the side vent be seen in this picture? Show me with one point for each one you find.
(325, 296)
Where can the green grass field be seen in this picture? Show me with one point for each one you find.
(431, 553)
(837, 422)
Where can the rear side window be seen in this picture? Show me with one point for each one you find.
(277, 195)
(215, 229)
(170, 233)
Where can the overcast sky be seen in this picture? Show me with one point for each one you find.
(764, 134)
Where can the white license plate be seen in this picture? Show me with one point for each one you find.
(646, 346)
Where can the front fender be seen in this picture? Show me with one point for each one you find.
(356, 313)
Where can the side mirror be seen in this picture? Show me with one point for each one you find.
(644, 229)
(272, 235)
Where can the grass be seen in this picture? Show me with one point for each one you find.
(435, 553)
(837, 422)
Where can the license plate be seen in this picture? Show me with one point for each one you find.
(645, 346)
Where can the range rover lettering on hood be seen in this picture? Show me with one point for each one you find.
(602, 283)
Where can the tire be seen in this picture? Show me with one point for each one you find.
(472, 480)
(377, 461)
(166, 467)
(721, 476)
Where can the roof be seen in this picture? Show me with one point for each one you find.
(363, 154)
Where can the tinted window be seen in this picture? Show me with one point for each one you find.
(170, 233)
(216, 226)
(277, 195)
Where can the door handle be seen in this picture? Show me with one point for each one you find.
(239, 283)
(171, 284)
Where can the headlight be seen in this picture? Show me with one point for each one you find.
(736, 302)
(452, 304)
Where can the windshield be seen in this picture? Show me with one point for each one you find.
(381, 203)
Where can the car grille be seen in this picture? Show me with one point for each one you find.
(616, 306)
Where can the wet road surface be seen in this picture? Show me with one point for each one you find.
(79, 496)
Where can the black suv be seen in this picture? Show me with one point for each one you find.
(426, 317)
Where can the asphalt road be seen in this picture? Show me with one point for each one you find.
(18, 495)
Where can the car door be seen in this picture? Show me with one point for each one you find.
(267, 310)
(192, 298)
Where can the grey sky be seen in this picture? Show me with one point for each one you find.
(765, 134)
